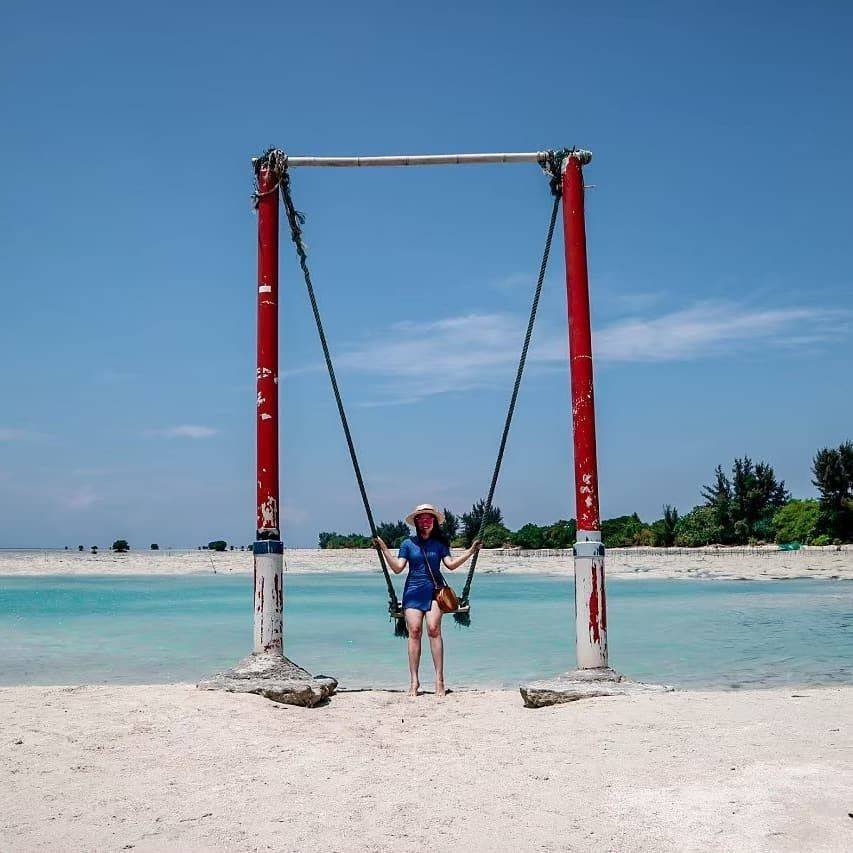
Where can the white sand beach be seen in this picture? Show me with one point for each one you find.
(763, 563)
(169, 767)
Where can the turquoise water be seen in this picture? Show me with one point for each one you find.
(95, 629)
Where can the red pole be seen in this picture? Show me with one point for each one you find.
(590, 601)
(267, 414)
(268, 548)
(580, 347)
(267, 671)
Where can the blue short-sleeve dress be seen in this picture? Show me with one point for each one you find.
(419, 590)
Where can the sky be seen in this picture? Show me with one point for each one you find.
(719, 241)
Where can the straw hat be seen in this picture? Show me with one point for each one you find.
(421, 508)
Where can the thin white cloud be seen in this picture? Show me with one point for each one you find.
(713, 328)
(421, 359)
(185, 431)
(414, 360)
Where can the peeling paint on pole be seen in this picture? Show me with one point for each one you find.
(267, 672)
(590, 604)
(269, 597)
(267, 372)
(590, 598)
(268, 549)
(269, 514)
(593, 677)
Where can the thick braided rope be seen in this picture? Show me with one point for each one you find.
(296, 220)
(521, 362)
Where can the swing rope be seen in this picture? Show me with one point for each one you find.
(277, 162)
(296, 221)
(463, 616)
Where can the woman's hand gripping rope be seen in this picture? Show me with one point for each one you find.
(396, 564)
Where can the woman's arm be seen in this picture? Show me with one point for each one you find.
(397, 564)
(455, 562)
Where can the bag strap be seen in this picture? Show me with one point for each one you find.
(429, 567)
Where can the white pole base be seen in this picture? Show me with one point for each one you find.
(593, 677)
(269, 597)
(274, 677)
(590, 604)
(267, 672)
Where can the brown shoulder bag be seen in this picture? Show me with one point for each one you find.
(445, 596)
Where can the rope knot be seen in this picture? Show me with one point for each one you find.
(553, 167)
(273, 160)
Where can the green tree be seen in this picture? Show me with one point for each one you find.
(529, 537)
(79, 547)
(560, 534)
(94, 549)
(393, 532)
(718, 496)
(833, 477)
(645, 536)
(339, 540)
(155, 546)
(757, 497)
(451, 525)
(797, 521)
(744, 505)
(217, 545)
(622, 532)
(663, 530)
(699, 527)
(495, 536)
(120, 546)
(471, 520)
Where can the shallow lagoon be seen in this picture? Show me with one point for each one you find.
(149, 629)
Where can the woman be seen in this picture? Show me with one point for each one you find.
(419, 592)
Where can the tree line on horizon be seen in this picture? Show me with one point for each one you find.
(748, 506)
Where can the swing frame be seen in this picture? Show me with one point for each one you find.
(540, 157)
(567, 183)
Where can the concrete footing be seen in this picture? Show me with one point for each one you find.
(583, 684)
(276, 678)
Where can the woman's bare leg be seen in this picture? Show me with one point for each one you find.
(436, 646)
(414, 622)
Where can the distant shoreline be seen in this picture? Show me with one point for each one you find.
(645, 550)
(736, 563)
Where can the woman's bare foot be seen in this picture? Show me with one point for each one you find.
(440, 691)
(413, 690)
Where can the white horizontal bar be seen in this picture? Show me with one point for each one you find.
(428, 159)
